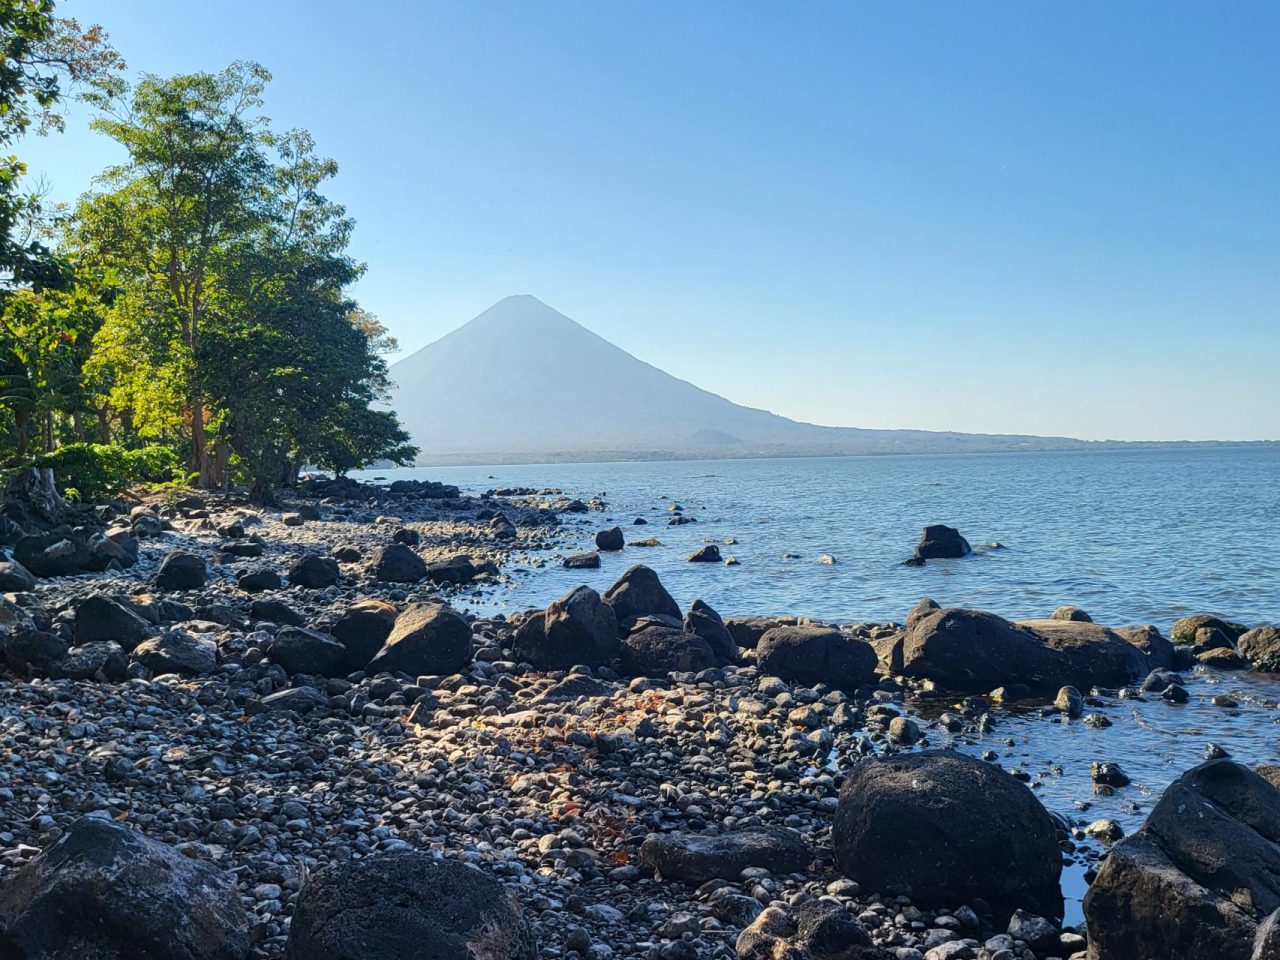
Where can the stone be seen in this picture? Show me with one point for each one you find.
(362, 629)
(695, 858)
(300, 650)
(1147, 638)
(939, 541)
(177, 651)
(99, 660)
(816, 654)
(583, 561)
(655, 651)
(33, 652)
(1069, 701)
(455, 571)
(404, 906)
(1108, 773)
(99, 617)
(578, 628)
(1185, 629)
(1071, 613)
(428, 638)
(638, 593)
(931, 825)
(396, 563)
(709, 553)
(293, 700)
(407, 536)
(703, 621)
(1261, 647)
(15, 578)
(314, 572)
(747, 631)
(611, 539)
(51, 554)
(277, 612)
(921, 610)
(1200, 877)
(182, 571)
(105, 892)
(256, 581)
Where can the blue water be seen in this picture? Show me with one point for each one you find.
(1130, 536)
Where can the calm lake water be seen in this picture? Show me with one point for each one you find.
(1131, 537)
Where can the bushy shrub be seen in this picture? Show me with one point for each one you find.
(96, 470)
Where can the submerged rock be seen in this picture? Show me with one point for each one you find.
(933, 824)
(395, 907)
(107, 893)
(706, 554)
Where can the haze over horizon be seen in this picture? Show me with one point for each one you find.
(990, 219)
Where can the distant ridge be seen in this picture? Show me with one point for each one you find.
(524, 383)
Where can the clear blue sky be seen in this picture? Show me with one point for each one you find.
(1001, 217)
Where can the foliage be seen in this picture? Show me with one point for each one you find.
(96, 470)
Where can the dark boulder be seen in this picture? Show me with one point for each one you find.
(99, 660)
(639, 592)
(1200, 877)
(33, 652)
(428, 638)
(655, 651)
(52, 554)
(921, 610)
(1071, 613)
(576, 629)
(816, 654)
(931, 825)
(277, 612)
(362, 629)
(300, 650)
(747, 631)
(396, 563)
(696, 858)
(406, 906)
(455, 571)
(15, 578)
(176, 651)
(1185, 628)
(706, 554)
(940, 542)
(105, 892)
(703, 621)
(407, 536)
(182, 571)
(611, 539)
(314, 572)
(1161, 654)
(113, 549)
(583, 561)
(99, 617)
(1261, 647)
(256, 581)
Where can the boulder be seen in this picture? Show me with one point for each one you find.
(816, 654)
(176, 651)
(52, 554)
(32, 652)
(277, 612)
(15, 578)
(696, 858)
(706, 554)
(256, 581)
(115, 548)
(407, 536)
(396, 563)
(455, 571)
(99, 617)
(655, 651)
(428, 638)
(703, 621)
(639, 592)
(611, 539)
(1071, 613)
(583, 561)
(182, 571)
(1147, 638)
(815, 930)
(747, 631)
(1261, 647)
(578, 628)
(939, 542)
(1200, 877)
(932, 824)
(1184, 629)
(402, 906)
(973, 651)
(362, 629)
(921, 610)
(105, 892)
(99, 660)
(300, 650)
(314, 572)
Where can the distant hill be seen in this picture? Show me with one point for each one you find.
(523, 382)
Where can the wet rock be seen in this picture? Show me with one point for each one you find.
(921, 610)
(583, 561)
(107, 893)
(1198, 879)
(931, 824)
(1040, 934)
(99, 617)
(1222, 658)
(939, 541)
(638, 593)
(394, 907)
(1071, 613)
(706, 554)
(1261, 647)
(428, 638)
(455, 571)
(706, 623)
(1185, 629)
(396, 563)
(579, 628)
(816, 654)
(177, 651)
(904, 730)
(300, 650)
(314, 572)
(1069, 701)
(362, 629)
(1160, 652)
(1109, 773)
(655, 651)
(611, 539)
(182, 571)
(696, 858)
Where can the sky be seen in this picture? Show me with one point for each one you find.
(1001, 217)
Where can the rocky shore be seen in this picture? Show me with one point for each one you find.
(233, 732)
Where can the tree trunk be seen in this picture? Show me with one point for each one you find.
(201, 462)
(104, 425)
(22, 426)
